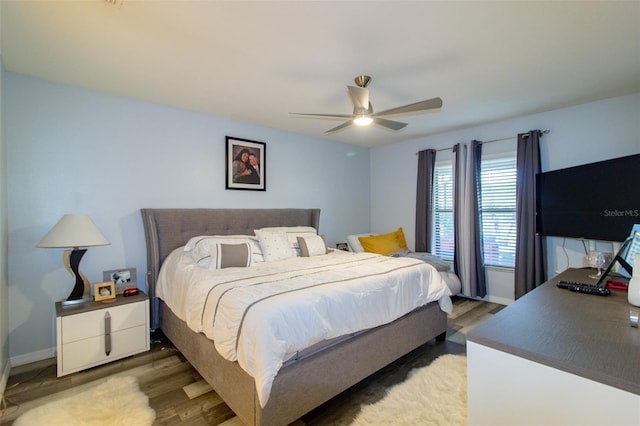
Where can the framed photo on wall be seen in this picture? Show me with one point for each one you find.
(246, 164)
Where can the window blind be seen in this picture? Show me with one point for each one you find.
(498, 210)
(443, 234)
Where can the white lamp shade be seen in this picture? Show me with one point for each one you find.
(74, 230)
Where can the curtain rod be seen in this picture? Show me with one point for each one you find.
(496, 140)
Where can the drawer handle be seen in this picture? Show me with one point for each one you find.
(107, 334)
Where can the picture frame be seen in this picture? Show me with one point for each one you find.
(122, 278)
(342, 246)
(245, 164)
(104, 291)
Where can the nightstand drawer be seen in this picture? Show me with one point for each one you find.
(86, 332)
(90, 352)
(90, 324)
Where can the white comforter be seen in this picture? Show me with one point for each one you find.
(261, 315)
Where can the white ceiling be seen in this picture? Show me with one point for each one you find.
(258, 61)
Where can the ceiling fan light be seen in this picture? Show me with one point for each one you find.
(363, 120)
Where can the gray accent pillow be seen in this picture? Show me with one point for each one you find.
(232, 255)
(204, 248)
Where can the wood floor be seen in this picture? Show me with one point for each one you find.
(180, 397)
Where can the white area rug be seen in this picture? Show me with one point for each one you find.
(432, 395)
(116, 402)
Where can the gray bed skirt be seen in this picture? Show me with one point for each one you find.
(309, 382)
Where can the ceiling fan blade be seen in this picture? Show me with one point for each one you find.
(359, 98)
(422, 106)
(340, 127)
(389, 124)
(325, 116)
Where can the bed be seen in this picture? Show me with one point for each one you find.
(313, 377)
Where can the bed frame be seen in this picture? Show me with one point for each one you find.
(304, 384)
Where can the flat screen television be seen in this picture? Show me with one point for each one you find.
(596, 201)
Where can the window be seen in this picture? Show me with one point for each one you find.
(443, 211)
(497, 210)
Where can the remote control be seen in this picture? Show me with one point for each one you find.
(584, 288)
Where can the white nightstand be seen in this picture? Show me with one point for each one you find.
(93, 333)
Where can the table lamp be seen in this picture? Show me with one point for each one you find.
(74, 231)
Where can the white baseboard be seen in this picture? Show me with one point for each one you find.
(32, 357)
(499, 300)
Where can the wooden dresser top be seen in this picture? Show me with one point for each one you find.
(582, 334)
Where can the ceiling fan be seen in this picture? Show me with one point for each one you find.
(363, 114)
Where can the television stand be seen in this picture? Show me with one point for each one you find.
(556, 357)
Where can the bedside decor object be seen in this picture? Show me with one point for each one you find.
(74, 231)
(131, 292)
(598, 261)
(246, 164)
(104, 292)
(122, 278)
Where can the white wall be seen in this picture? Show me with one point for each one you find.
(582, 134)
(72, 150)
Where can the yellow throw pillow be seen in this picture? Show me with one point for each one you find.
(401, 241)
(385, 243)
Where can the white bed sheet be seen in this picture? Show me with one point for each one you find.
(260, 329)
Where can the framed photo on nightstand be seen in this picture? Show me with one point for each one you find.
(122, 279)
(104, 291)
(342, 246)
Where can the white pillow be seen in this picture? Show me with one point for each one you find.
(202, 247)
(292, 233)
(275, 245)
(312, 246)
(354, 243)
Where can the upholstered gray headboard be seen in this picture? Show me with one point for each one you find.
(168, 229)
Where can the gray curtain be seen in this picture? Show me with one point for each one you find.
(530, 268)
(468, 261)
(424, 200)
